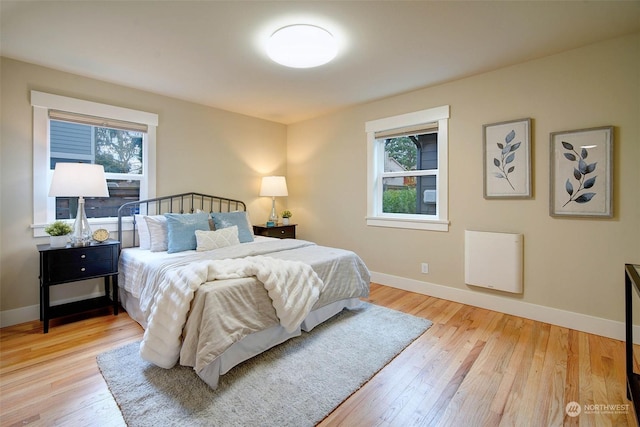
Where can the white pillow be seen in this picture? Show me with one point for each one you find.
(159, 237)
(209, 240)
(143, 232)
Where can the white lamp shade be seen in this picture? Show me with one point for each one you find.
(274, 186)
(78, 180)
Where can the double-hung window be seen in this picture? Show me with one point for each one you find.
(70, 130)
(407, 170)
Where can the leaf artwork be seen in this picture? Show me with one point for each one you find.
(507, 156)
(580, 172)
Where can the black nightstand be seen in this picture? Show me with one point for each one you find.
(280, 231)
(69, 264)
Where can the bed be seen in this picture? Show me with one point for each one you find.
(211, 295)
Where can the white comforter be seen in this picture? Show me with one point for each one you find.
(293, 287)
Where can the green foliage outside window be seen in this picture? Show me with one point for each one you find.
(399, 201)
(404, 150)
(119, 151)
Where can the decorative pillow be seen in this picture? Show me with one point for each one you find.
(181, 230)
(157, 226)
(209, 240)
(144, 239)
(240, 219)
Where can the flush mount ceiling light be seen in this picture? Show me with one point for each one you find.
(302, 46)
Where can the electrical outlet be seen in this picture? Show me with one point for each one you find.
(424, 268)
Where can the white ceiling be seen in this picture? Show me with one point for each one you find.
(211, 52)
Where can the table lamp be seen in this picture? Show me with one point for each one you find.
(273, 186)
(79, 180)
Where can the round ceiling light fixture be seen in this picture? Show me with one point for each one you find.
(302, 46)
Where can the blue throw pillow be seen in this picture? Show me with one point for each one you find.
(181, 230)
(239, 219)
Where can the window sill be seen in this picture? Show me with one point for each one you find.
(416, 224)
(110, 224)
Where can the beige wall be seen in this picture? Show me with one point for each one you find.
(571, 265)
(198, 149)
(574, 265)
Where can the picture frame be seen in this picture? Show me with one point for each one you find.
(507, 159)
(581, 176)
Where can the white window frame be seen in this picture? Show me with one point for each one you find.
(375, 171)
(44, 206)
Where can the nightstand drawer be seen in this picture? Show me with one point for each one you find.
(75, 271)
(81, 255)
(280, 231)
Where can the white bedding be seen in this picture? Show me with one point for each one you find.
(225, 313)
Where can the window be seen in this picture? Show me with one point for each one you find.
(73, 130)
(407, 170)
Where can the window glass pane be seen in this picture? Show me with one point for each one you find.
(399, 195)
(401, 154)
(410, 195)
(120, 192)
(119, 151)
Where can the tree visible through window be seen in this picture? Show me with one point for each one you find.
(119, 151)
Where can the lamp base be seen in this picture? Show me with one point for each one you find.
(274, 216)
(80, 243)
(81, 235)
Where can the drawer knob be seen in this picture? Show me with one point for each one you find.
(82, 269)
(83, 256)
(281, 231)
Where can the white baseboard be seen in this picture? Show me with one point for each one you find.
(19, 315)
(32, 312)
(568, 319)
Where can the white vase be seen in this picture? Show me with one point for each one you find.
(58, 241)
(285, 221)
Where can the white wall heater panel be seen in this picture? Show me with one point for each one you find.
(494, 260)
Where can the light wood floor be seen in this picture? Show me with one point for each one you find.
(473, 367)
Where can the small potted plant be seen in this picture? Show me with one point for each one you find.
(59, 232)
(285, 217)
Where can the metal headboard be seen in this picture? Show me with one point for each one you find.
(177, 203)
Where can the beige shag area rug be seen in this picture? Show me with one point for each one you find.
(297, 383)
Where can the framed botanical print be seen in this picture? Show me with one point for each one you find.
(507, 159)
(581, 181)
